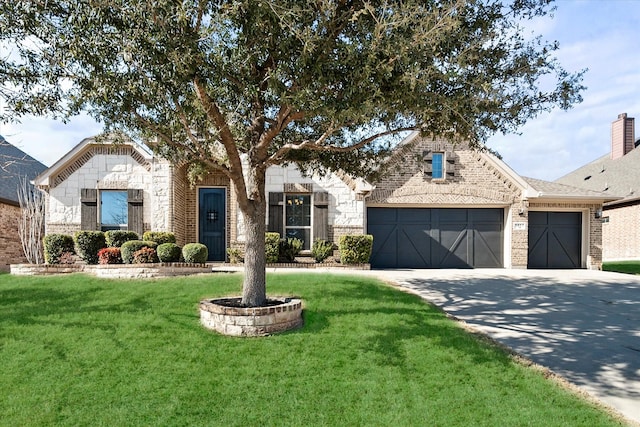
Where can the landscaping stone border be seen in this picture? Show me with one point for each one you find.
(134, 271)
(113, 271)
(216, 314)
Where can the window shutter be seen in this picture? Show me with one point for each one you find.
(450, 165)
(276, 212)
(88, 209)
(321, 215)
(135, 210)
(427, 163)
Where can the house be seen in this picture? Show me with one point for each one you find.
(617, 174)
(440, 205)
(16, 167)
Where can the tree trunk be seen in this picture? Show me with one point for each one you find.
(254, 289)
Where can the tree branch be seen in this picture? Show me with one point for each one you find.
(226, 137)
(317, 145)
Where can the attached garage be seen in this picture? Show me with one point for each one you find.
(555, 240)
(436, 238)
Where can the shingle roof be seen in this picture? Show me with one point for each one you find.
(14, 165)
(553, 189)
(619, 177)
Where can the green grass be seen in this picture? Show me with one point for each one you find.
(630, 267)
(76, 350)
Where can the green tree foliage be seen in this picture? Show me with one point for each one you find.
(322, 83)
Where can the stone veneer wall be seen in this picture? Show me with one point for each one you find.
(621, 234)
(476, 183)
(346, 209)
(111, 171)
(10, 244)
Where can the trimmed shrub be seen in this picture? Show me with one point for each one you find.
(169, 252)
(159, 237)
(109, 256)
(196, 253)
(88, 243)
(132, 246)
(321, 250)
(55, 245)
(355, 249)
(235, 255)
(272, 245)
(289, 249)
(116, 238)
(145, 255)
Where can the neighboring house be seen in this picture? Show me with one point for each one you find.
(439, 206)
(16, 167)
(617, 174)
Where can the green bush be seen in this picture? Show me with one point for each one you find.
(116, 238)
(55, 245)
(272, 244)
(321, 250)
(159, 237)
(196, 253)
(145, 255)
(88, 243)
(169, 252)
(109, 256)
(289, 249)
(235, 255)
(355, 249)
(128, 249)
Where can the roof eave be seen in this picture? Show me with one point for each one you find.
(539, 195)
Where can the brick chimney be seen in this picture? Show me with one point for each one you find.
(622, 136)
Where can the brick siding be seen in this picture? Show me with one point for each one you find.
(10, 244)
(621, 234)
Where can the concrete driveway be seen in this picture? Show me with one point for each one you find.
(583, 325)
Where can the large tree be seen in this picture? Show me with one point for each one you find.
(239, 86)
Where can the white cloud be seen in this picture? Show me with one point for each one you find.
(600, 36)
(48, 140)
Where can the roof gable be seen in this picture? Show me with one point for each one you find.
(15, 165)
(85, 150)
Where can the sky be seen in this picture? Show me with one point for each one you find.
(602, 36)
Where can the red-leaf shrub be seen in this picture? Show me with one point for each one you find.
(145, 256)
(109, 256)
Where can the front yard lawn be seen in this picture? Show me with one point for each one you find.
(630, 267)
(77, 350)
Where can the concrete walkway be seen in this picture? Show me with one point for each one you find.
(583, 325)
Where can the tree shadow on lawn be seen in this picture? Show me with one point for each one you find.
(42, 303)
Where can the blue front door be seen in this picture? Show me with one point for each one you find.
(212, 221)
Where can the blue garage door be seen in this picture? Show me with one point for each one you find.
(436, 238)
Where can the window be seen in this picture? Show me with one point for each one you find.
(113, 210)
(298, 218)
(437, 166)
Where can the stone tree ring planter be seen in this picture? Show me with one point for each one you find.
(228, 317)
